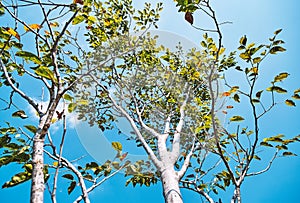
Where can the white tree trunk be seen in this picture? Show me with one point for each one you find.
(37, 185)
(170, 183)
(237, 195)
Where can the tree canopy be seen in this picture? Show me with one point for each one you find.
(97, 61)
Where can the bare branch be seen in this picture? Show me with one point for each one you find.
(17, 90)
(268, 166)
(99, 183)
(149, 151)
(177, 134)
(187, 160)
(70, 166)
(53, 194)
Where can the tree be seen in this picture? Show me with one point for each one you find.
(170, 98)
(49, 56)
(172, 104)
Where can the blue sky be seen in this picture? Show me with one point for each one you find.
(258, 20)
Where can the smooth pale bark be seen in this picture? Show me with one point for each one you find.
(237, 195)
(37, 185)
(170, 183)
(38, 182)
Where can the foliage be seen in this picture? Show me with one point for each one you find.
(171, 98)
(53, 65)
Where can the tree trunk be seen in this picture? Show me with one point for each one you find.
(237, 195)
(170, 183)
(37, 184)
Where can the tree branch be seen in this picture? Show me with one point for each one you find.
(16, 89)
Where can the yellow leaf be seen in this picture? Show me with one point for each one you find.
(196, 74)
(32, 26)
(107, 23)
(234, 89)
(13, 32)
(53, 120)
(254, 70)
(54, 24)
(55, 163)
(221, 51)
(290, 102)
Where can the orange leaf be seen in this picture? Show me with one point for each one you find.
(32, 26)
(78, 2)
(123, 156)
(229, 107)
(226, 94)
(189, 17)
(54, 24)
(224, 112)
(12, 32)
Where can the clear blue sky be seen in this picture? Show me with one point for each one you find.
(258, 20)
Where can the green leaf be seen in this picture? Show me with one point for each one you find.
(276, 138)
(203, 44)
(244, 56)
(288, 154)
(278, 42)
(277, 31)
(256, 157)
(17, 179)
(243, 40)
(68, 97)
(236, 98)
(28, 56)
(82, 101)
(276, 89)
(281, 147)
(45, 72)
(258, 94)
(2, 11)
(266, 144)
(276, 49)
(250, 45)
(255, 100)
(297, 91)
(296, 96)
(290, 102)
(72, 107)
(20, 114)
(31, 128)
(117, 146)
(71, 187)
(256, 60)
(68, 176)
(92, 165)
(281, 77)
(78, 19)
(236, 118)
(116, 165)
